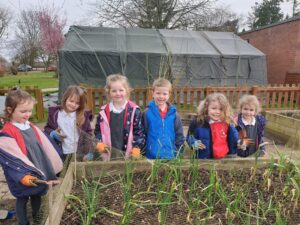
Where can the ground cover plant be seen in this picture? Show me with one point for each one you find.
(175, 193)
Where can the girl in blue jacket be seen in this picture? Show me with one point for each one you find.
(26, 155)
(210, 134)
(163, 127)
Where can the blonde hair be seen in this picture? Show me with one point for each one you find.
(74, 90)
(249, 100)
(14, 98)
(202, 110)
(162, 82)
(117, 77)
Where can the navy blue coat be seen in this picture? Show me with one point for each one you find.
(199, 130)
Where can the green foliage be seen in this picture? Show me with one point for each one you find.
(39, 79)
(265, 13)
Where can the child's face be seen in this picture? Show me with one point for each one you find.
(161, 96)
(248, 112)
(72, 104)
(117, 93)
(22, 112)
(215, 112)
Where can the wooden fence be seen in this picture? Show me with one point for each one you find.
(275, 97)
(187, 98)
(38, 111)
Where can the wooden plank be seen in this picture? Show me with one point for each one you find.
(185, 99)
(191, 101)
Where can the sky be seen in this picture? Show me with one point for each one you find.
(81, 11)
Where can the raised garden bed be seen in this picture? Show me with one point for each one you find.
(285, 126)
(227, 191)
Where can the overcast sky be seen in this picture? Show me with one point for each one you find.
(80, 11)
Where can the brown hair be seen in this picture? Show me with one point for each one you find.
(202, 110)
(14, 98)
(249, 100)
(162, 82)
(74, 90)
(117, 77)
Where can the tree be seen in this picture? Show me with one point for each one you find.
(4, 20)
(52, 37)
(27, 41)
(265, 13)
(219, 19)
(169, 14)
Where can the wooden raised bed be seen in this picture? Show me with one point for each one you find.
(85, 169)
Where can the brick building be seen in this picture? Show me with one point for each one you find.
(281, 44)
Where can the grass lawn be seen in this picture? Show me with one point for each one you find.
(33, 78)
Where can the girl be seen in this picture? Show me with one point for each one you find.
(251, 125)
(28, 159)
(119, 122)
(69, 122)
(210, 133)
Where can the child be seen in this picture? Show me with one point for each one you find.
(211, 133)
(119, 124)
(162, 123)
(251, 125)
(26, 155)
(70, 121)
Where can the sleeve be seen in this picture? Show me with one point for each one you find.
(49, 125)
(179, 137)
(97, 131)
(190, 137)
(261, 132)
(15, 175)
(232, 140)
(138, 130)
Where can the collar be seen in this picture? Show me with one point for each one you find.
(71, 114)
(247, 123)
(22, 126)
(213, 121)
(112, 108)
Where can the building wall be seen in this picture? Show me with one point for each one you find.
(281, 44)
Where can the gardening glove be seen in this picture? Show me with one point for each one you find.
(88, 157)
(198, 145)
(136, 153)
(28, 180)
(57, 135)
(101, 147)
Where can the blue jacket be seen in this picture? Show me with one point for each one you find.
(199, 130)
(164, 136)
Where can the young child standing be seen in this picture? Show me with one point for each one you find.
(211, 133)
(162, 123)
(119, 123)
(26, 155)
(68, 122)
(251, 125)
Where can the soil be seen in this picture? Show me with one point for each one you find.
(258, 198)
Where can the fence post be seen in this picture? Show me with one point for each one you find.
(207, 91)
(40, 104)
(255, 90)
(149, 94)
(89, 99)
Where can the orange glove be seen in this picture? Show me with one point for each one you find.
(136, 153)
(27, 180)
(101, 147)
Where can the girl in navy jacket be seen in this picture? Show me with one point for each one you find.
(210, 134)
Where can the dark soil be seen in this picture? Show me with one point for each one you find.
(263, 199)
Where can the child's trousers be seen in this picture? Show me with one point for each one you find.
(21, 209)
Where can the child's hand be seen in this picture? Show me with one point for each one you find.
(136, 153)
(58, 135)
(88, 157)
(28, 180)
(101, 147)
(53, 182)
(198, 145)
